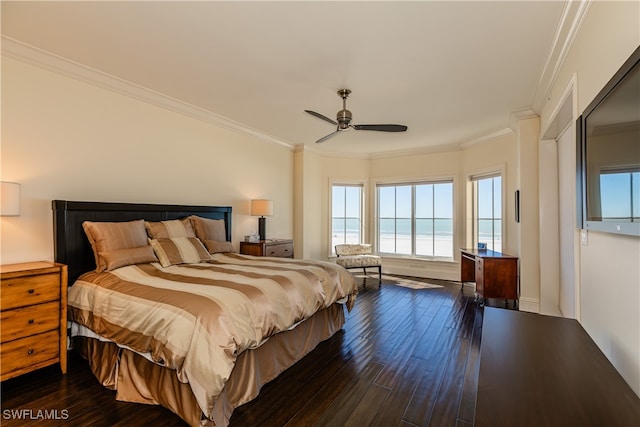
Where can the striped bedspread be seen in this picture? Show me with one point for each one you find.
(197, 318)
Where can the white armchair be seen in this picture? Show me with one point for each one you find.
(358, 256)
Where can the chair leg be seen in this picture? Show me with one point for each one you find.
(380, 275)
(364, 279)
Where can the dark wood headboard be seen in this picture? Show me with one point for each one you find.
(71, 246)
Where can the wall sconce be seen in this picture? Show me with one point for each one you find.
(10, 199)
(262, 208)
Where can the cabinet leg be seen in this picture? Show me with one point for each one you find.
(479, 300)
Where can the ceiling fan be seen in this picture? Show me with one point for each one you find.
(344, 120)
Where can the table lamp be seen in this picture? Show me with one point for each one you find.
(262, 208)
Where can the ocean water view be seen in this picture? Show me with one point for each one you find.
(438, 243)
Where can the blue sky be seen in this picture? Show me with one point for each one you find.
(615, 194)
(396, 201)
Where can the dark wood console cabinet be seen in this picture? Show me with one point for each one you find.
(495, 273)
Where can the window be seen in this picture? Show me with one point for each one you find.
(346, 214)
(487, 211)
(416, 219)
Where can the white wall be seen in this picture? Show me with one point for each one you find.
(609, 267)
(65, 139)
(309, 203)
(568, 235)
(549, 228)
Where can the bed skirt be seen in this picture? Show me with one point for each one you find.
(136, 379)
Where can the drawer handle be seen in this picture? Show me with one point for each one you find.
(31, 321)
(30, 352)
(31, 291)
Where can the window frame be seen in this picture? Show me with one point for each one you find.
(363, 227)
(472, 178)
(415, 182)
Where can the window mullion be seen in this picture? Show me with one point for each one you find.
(344, 237)
(346, 218)
(395, 219)
(474, 212)
(433, 220)
(413, 220)
(493, 213)
(631, 195)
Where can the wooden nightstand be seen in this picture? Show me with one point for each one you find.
(34, 317)
(282, 248)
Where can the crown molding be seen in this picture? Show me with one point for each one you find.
(521, 114)
(23, 52)
(442, 148)
(488, 137)
(322, 152)
(573, 15)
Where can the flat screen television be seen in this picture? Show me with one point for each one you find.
(608, 155)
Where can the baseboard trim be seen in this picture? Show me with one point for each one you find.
(531, 305)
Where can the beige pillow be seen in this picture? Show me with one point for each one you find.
(212, 233)
(173, 228)
(131, 256)
(215, 246)
(106, 237)
(209, 229)
(179, 250)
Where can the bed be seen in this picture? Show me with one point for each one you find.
(171, 315)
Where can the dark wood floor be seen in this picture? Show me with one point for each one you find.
(404, 358)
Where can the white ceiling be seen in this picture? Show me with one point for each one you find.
(451, 71)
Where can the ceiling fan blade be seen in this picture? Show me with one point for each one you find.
(324, 138)
(320, 116)
(381, 128)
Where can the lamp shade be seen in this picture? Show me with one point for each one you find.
(261, 207)
(10, 199)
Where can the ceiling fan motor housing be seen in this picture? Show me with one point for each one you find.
(343, 118)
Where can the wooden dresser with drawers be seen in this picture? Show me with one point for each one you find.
(34, 317)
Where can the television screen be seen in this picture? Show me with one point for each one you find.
(611, 154)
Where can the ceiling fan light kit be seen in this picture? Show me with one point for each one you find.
(344, 118)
